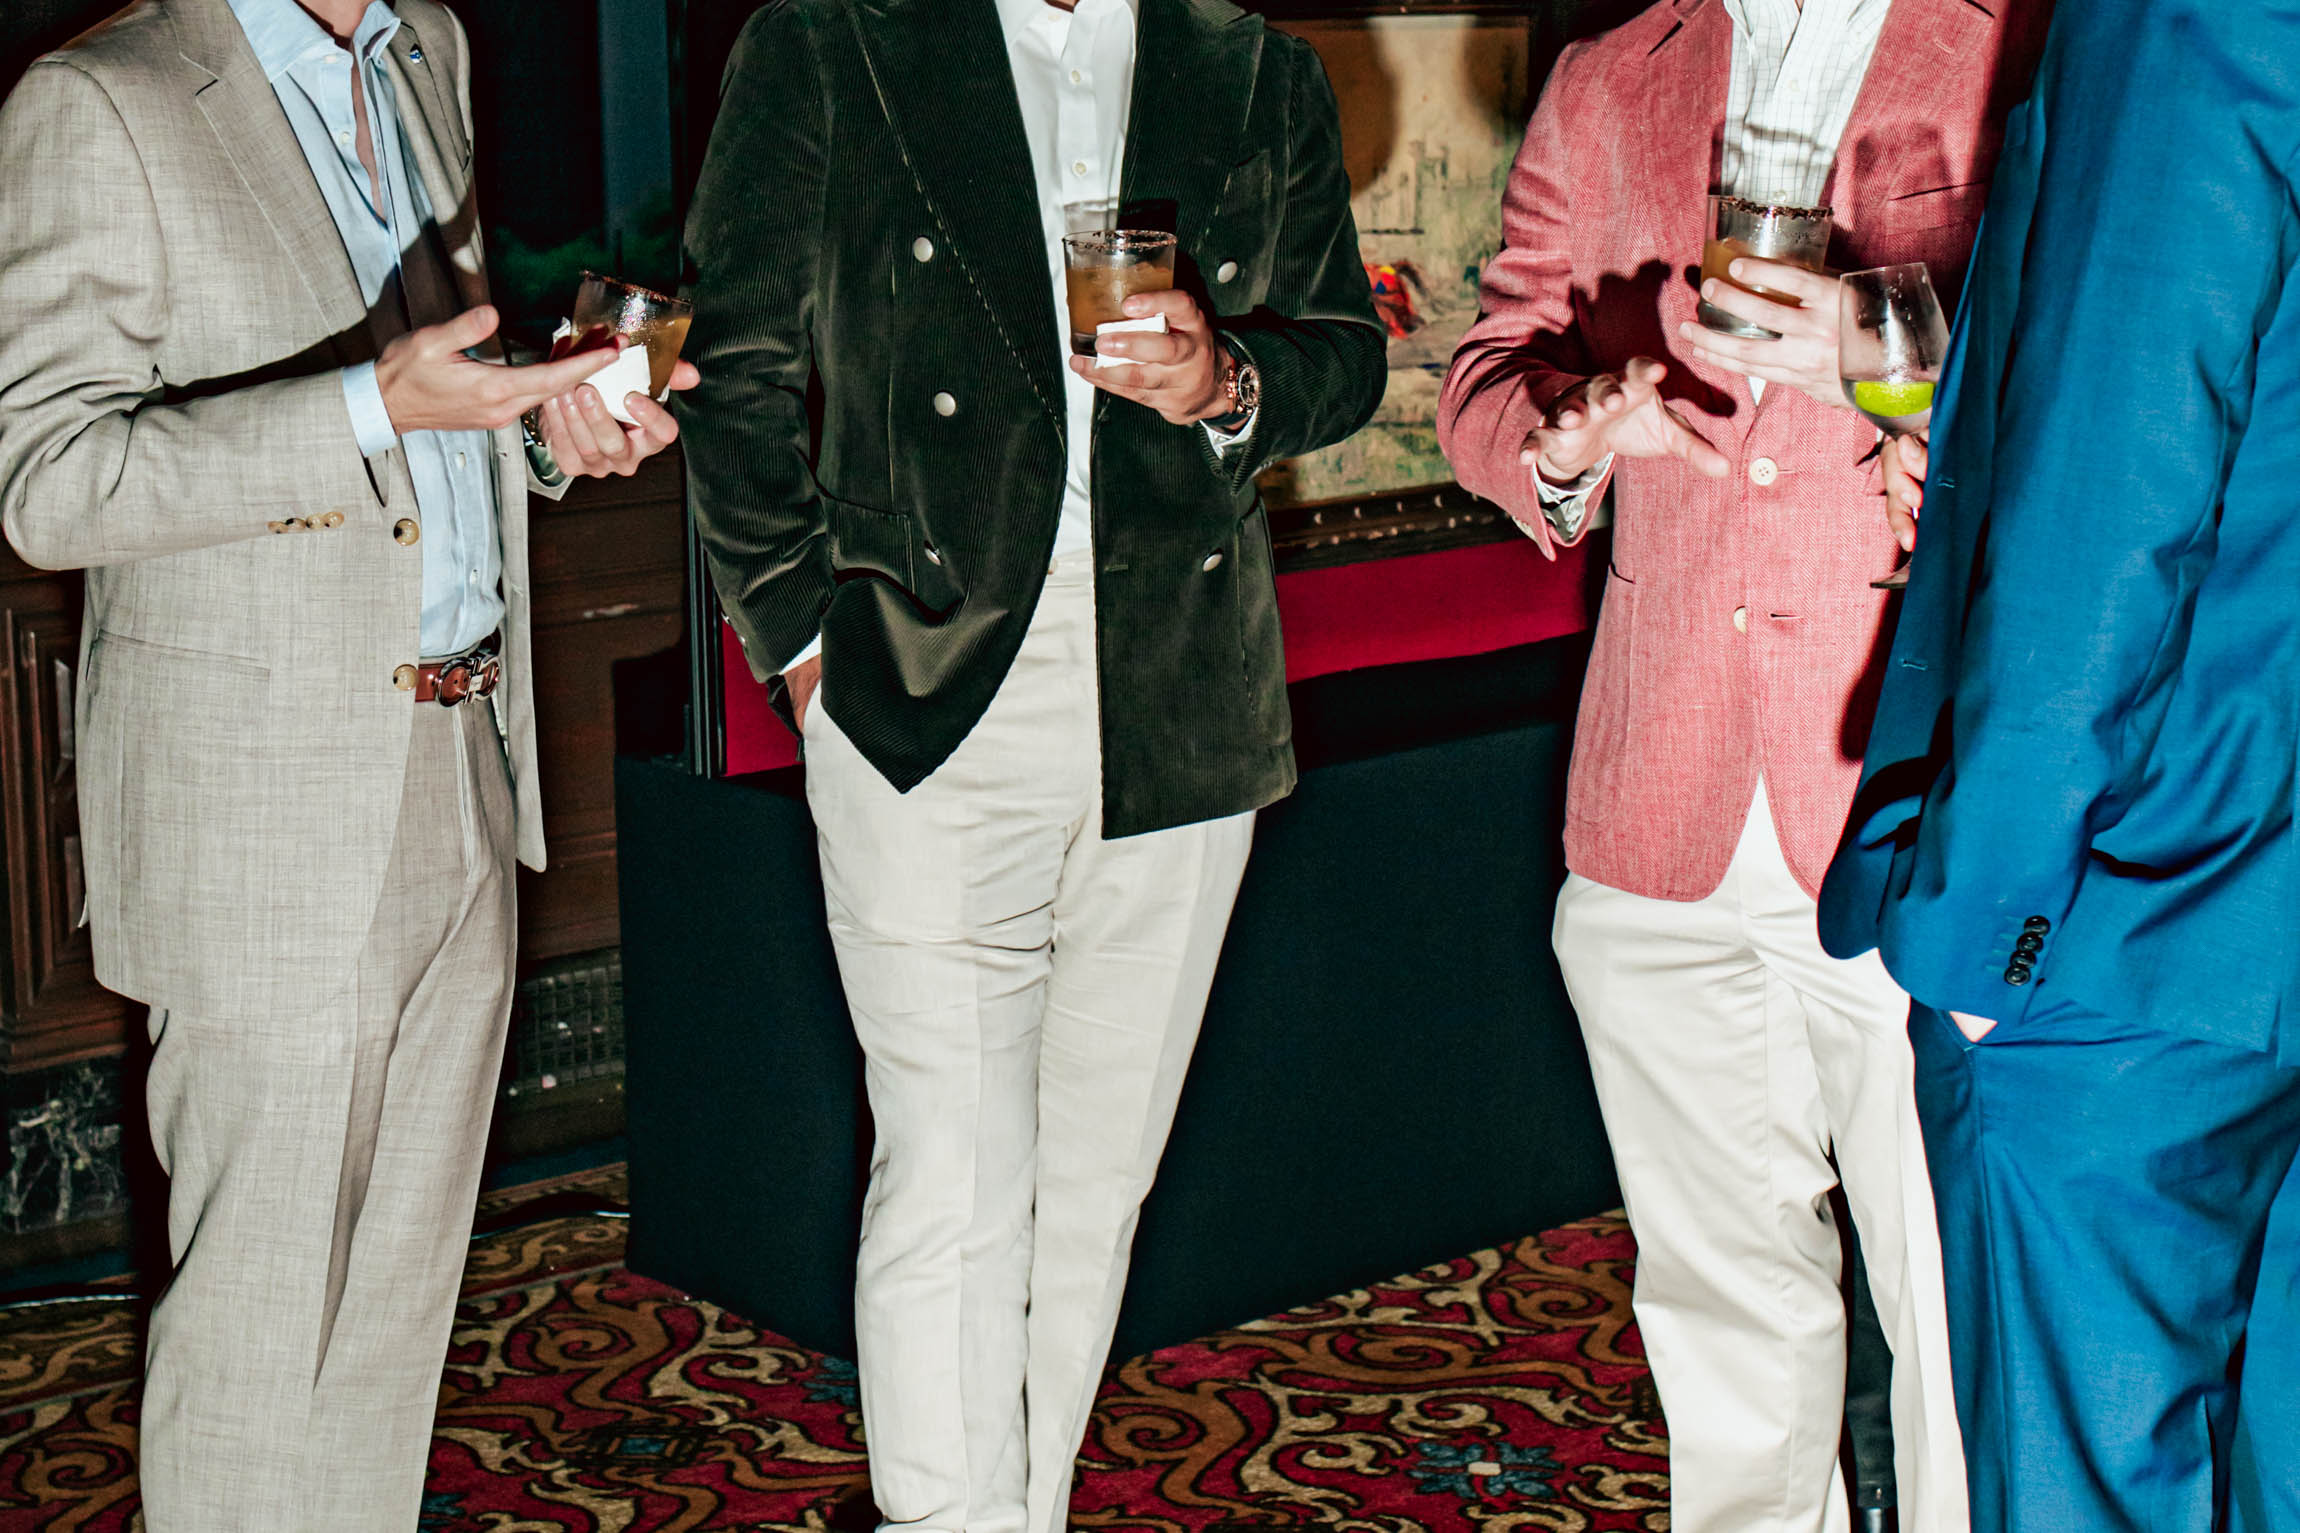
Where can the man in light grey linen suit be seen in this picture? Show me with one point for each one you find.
(240, 273)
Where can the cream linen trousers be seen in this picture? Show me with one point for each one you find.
(1027, 996)
(322, 1170)
(1743, 1072)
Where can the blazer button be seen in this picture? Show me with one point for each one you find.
(2017, 973)
(945, 404)
(933, 555)
(2036, 924)
(404, 678)
(1764, 471)
(404, 532)
(1226, 272)
(332, 519)
(2029, 945)
(1740, 619)
(1213, 563)
(922, 249)
(277, 526)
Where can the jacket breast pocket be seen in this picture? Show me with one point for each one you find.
(1938, 207)
(1239, 244)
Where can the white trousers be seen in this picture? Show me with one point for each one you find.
(1027, 996)
(1743, 1073)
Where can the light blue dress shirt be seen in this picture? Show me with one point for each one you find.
(454, 471)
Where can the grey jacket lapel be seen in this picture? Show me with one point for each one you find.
(245, 115)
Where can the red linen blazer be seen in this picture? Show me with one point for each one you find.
(1738, 631)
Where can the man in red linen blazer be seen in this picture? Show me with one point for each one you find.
(1742, 1071)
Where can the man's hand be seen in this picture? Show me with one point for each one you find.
(1904, 460)
(1805, 357)
(1624, 415)
(588, 442)
(1178, 374)
(428, 383)
(1974, 1028)
(802, 679)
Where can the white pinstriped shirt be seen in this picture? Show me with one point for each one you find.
(1797, 71)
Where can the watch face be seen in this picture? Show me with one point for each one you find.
(1249, 383)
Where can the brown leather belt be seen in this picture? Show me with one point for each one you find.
(475, 673)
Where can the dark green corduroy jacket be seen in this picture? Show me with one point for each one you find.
(835, 494)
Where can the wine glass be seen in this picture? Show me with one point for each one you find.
(1891, 341)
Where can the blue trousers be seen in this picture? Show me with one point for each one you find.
(2120, 1217)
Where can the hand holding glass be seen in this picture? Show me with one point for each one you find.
(1739, 227)
(606, 309)
(1892, 340)
(1103, 268)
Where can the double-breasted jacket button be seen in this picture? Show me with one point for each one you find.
(405, 533)
(922, 249)
(1226, 272)
(946, 404)
(933, 554)
(1763, 471)
(1213, 563)
(1740, 619)
(404, 678)
(2017, 973)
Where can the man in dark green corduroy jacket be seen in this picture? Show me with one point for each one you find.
(1019, 604)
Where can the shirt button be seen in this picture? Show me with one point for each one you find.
(405, 533)
(1226, 271)
(461, 459)
(1764, 471)
(1740, 619)
(945, 404)
(1078, 167)
(922, 249)
(1078, 77)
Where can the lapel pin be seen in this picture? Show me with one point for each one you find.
(415, 54)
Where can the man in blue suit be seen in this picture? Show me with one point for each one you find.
(2074, 842)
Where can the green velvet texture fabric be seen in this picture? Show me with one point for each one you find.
(877, 448)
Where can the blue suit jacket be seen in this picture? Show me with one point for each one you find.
(2081, 780)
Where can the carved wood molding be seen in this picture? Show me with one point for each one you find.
(1326, 533)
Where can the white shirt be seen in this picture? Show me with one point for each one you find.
(1797, 72)
(1074, 78)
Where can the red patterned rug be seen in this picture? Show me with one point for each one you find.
(1498, 1392)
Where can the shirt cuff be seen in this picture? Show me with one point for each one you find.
(1566, 504)
(370, 421)
(1225, 440)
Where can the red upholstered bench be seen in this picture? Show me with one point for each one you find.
(1461, 601)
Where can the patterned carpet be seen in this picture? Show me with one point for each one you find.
(1498, 1392)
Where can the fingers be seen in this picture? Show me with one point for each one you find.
(684, 376)
(533, 385)
(1903, 523)
(1916, 455)
(1817, 293)
(466, 330)
(1146, 346)
(1181, 310)
(653, 427)
(1779, 318)
(1694, 448)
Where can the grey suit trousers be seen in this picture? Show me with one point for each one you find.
(322, 1175)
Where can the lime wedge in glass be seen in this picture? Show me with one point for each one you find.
(1893, 399)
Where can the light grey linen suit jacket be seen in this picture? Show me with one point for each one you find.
(175, 303)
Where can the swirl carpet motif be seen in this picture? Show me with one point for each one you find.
(1498, 1392)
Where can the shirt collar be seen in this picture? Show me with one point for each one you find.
(284, 34)
(1015, 16)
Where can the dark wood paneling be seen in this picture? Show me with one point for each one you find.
(608, 578)
(54, 1009)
